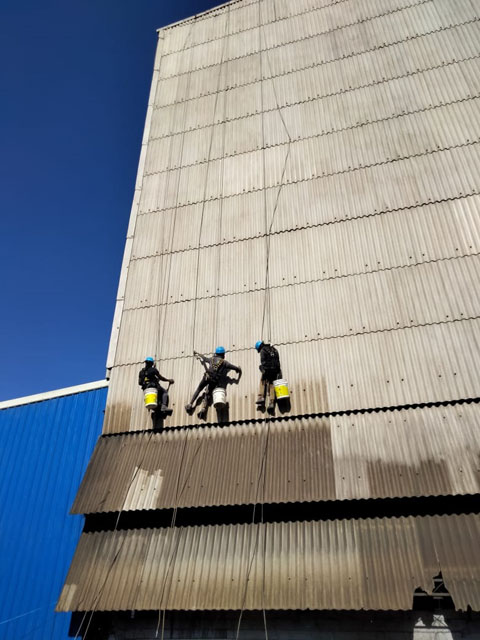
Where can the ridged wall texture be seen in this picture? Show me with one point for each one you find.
(44, 450)
(310, 176)
(433, 451)
(340, 564)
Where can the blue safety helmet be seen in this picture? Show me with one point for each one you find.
(149, 359)
(220, 351)
(258, 344)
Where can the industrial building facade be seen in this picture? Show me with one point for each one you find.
(309, 176)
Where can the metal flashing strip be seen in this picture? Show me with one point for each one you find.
(204, 14)
(133, 213)
(50, 395)
(300, 416)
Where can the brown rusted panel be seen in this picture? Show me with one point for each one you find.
(212, 466)
(340, 564)
(415, 452)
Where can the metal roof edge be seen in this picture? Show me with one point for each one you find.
(57, 393)
(119, 301)
(198, 15)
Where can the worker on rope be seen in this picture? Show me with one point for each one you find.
(216, 370)
(271, 371)
(149, 378)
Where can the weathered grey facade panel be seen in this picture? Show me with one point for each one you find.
(433, 126)
(316, 42)
(421, 51)
(383, 301)
(432, 451)
(428, 177)
(439, 230)
(431, 363)
(324, 276)
(340, 564)
(309, 176)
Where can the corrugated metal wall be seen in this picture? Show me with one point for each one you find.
(44, 450)
(339, 564)
(309, 175)
(434, 451)
(337, 143)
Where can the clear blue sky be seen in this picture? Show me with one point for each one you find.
(74, 83)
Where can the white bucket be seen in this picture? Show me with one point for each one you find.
(281, 389)
(151, 398)
(219, 396)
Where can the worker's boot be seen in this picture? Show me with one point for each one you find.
(189, 409)
(202, 414)
(260, 402)
(271, 409)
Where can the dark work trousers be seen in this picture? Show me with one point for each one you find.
(266, 387)
(204, 382)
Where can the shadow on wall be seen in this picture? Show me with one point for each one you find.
(284, 625)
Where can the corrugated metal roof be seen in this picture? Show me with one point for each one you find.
(432, 451)
(44, 450)
(431, 363)
(56, 393)
(341, 564)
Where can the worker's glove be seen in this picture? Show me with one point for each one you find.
(171, 381)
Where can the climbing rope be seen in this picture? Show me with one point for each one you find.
(165, 289)
(220, 216)
(171, 564)
(160, 336)
(260, 528)
(117, 553)
(220, 69)
(266, 304)
(176, 542)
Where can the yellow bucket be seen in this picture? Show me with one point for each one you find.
(151, 397)
(281, 389)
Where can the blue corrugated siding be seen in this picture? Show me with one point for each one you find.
(44, 451)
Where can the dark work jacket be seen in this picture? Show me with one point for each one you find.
(218, 375)
(270, 362)
(149, 377)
